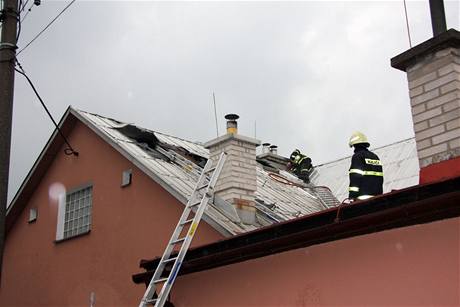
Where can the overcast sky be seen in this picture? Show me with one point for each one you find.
(307, 73)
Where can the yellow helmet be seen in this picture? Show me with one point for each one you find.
(294, 154)
(358, 138)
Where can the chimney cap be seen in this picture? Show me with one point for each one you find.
(450, 38)
(266, 144)
(273, 146)
(231, 117)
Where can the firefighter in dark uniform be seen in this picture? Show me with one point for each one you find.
(300, 165)
(366, 173)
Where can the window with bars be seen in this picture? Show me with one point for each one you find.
(75, 213)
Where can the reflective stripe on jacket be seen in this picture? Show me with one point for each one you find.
(301, 163)
(366, 175)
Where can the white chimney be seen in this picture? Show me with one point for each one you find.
(237, 182)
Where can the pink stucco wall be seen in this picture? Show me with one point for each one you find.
(127, 224)
(412, 266)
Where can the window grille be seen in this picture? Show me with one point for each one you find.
(78, 212)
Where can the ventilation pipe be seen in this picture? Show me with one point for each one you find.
(274, 149)
(265, 148)
(232, 125)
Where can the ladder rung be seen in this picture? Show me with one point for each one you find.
(152, 300)
(210, 170)
(178, 240)
(195, 204)
(186, 222)
(169, 260)
(202, 186)
(160, 280)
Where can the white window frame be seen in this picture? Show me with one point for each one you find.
(62, 206)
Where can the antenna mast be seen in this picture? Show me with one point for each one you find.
(215, 113)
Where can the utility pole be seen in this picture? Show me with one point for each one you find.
(10, 17)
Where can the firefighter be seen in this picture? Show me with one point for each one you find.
(300, 165)
(366, 173)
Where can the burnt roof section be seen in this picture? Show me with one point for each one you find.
(139, 134)
(450, 38)
(414, 205)
(175, 164)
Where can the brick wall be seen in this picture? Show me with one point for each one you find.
(434, 89)
(237, 182)
(238, 177)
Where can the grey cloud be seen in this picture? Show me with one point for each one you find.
(309, 73)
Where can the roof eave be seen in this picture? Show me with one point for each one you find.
(410, 206)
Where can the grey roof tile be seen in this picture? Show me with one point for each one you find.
(277, 200)
(400, 168)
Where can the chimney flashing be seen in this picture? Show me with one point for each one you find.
(226, 137)
(450, 38)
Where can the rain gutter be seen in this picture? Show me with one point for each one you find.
(415, 205)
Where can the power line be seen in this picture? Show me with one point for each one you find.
(47, 26)
(28, 11)
(21, 9)
(68, 151)
(23, 6)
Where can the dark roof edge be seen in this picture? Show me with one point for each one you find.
(39, 168)
(450, 38)
(411, 206)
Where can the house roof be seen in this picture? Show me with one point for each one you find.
(275, 200)
(406, 207)
(280, 196)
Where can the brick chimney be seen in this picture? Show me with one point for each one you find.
(237, 182)
(433, 73)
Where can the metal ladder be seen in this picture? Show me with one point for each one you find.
(183, 162)
(202, 193)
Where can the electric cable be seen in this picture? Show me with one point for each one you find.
(68, 151)
(21, 8)
(47, 26)
(28, 11)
